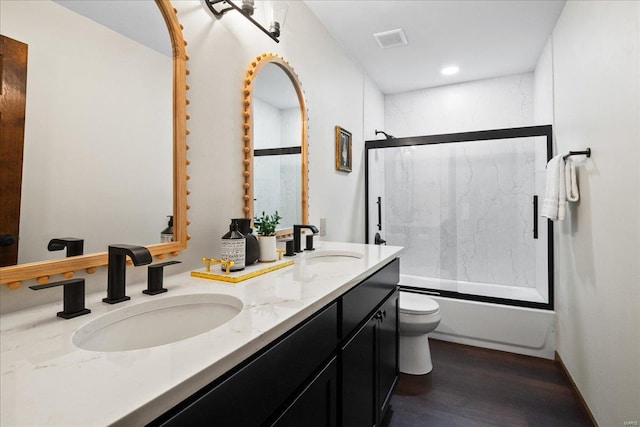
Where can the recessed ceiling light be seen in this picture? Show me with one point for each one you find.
(447, 71)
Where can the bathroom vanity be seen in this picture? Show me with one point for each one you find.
(313, 344)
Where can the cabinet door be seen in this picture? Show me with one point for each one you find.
(387, 353)
(359, 377)
(316, 405)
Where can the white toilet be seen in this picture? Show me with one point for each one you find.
(419, 315)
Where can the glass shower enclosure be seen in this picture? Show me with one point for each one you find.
(465, 207)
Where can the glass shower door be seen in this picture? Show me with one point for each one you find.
(466, 212)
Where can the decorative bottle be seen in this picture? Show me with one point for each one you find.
(252, 252)
(234, 248)
(166, 235)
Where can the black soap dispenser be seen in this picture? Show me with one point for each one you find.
(166, 235)
(234, 248)
(252, 252)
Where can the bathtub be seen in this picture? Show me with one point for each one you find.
(521, 330)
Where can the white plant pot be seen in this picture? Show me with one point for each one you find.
(268, 252)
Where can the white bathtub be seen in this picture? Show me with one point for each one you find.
(519, 330)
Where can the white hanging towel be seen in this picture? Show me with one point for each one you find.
(571, 183)
(555, 197)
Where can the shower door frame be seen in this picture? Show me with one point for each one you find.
(479, 136)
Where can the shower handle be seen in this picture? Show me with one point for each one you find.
(535, 216)
(379, 202)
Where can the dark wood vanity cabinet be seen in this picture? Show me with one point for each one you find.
(337, 368)
(370, 354)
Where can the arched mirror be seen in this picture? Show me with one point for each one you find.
(104, 131)
(275, 143)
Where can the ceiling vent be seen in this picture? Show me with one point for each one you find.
(391, 38)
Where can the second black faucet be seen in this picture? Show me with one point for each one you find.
(117, 269)
(296, 234)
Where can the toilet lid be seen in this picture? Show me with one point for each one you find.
(414, 303)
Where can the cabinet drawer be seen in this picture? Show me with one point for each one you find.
(251, 395)
(359, 302)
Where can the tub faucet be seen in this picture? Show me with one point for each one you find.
(296, 234)
(117, 269)
(378, 240)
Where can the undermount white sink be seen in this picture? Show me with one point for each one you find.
(328, 256)
(157, 322)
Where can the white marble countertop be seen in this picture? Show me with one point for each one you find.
(47, 381)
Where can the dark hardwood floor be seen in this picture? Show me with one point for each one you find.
(471, 386)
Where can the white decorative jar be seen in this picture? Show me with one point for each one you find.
(268, 252)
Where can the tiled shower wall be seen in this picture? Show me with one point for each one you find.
(501, 102)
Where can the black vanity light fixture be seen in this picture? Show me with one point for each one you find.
(274, 11)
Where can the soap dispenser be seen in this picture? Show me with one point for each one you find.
(234, 248)
(252, 251)
(167, 234)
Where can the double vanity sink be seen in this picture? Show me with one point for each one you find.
(174, 318)
(131, 362)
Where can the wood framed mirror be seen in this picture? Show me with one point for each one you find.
(275, 143)
(176, 173)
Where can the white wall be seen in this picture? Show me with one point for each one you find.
(543, 87)
(373, 105)
(501, 102)
(597, 105)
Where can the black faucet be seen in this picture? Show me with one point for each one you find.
(296, 234)
(74, 245)
(117, 269)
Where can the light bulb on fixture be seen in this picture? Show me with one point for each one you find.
(447, 71)
(276, 14)
(272, 13)
(248, 7)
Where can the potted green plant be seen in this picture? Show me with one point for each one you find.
(265, 226)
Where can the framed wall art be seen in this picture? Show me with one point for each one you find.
(343, 150)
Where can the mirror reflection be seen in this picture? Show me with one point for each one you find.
(278, 134)
(98, 132)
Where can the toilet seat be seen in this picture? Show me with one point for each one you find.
(414, 303)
